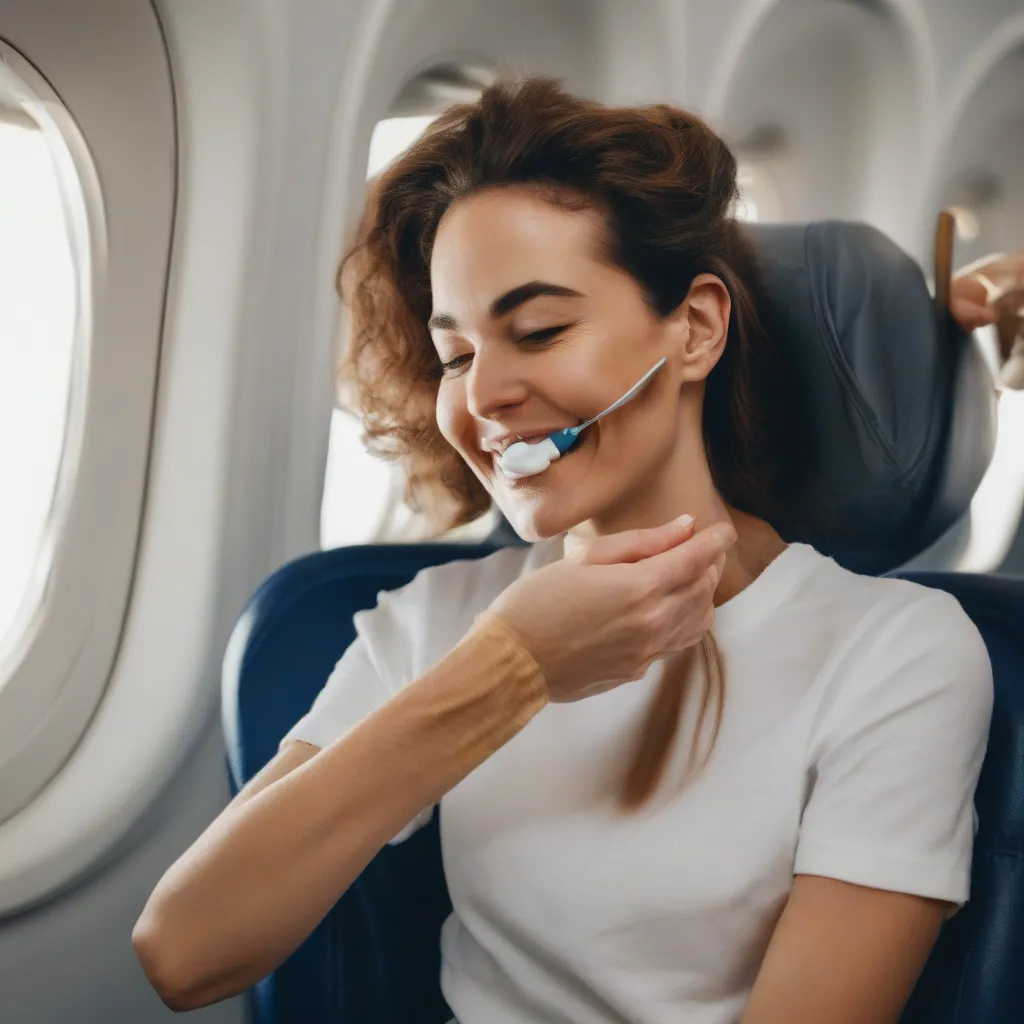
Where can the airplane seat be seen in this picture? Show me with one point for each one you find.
(971, 977)
(901, 411)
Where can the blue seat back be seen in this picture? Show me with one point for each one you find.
(976, 972)
(375, 958)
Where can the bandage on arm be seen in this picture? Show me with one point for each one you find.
(300, 841)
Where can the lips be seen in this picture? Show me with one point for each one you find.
(498, 445)
(525, 468)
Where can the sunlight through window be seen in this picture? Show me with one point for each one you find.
(759, 198)
(360, 490)
(37, 332)
(392, 137)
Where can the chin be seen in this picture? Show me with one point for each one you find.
(559, 499)
(541, 513)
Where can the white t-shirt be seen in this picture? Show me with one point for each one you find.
(856, 718)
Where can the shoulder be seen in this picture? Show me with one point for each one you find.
(873, 613)
(897, 616)
(907, 646)
(459, 585)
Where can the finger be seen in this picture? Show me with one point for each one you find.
(989, 264)
(970, 315)
(988, 280)
(684, 565)
(719, 567)
(693, 611)
(636, 545)
(1012, 302)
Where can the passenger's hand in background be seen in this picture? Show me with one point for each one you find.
(991, 291)
(605, 613)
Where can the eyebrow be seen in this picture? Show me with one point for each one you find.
(504, 304)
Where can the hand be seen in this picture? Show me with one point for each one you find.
(603, 615)
(981, 291)
(991, 291)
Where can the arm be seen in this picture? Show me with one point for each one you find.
(843, 953)
(268, 869)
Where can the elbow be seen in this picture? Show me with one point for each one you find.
(165, 963)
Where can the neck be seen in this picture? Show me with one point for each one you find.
(684, 487)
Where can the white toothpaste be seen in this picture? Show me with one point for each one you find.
(522, 459)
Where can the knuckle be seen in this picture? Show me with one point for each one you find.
(677, 576)
(709, 582)
(699, 562)
(652, 623)
(644, 640)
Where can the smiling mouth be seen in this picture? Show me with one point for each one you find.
(518, 481)
(503, 446)
(523, 439)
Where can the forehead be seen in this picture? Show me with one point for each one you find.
(498, 239)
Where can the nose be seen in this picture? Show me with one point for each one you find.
(495, 383)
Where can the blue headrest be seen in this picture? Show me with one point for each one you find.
(897, 406)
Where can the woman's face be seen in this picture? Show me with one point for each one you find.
(539, 332)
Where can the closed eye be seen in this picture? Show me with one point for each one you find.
(452, 366)
(455, 364)
(547, 334)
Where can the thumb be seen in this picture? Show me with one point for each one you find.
(636, 545)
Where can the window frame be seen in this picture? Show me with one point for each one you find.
(60, 652)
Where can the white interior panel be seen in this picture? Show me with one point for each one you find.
(980, 168)
(830, 99)
(275, 105)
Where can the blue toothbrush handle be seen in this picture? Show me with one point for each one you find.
(564, 439)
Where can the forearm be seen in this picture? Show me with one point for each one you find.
(268, 870)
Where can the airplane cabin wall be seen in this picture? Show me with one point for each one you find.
(276, 102)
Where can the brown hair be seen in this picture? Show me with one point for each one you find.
(665, 184)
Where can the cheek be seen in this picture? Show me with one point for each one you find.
(451, 415)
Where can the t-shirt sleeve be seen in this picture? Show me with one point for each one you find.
(896, 754)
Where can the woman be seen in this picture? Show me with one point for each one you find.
(642, 820)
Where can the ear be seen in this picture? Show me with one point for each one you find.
(701, 324)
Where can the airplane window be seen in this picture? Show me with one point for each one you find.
(968, 223)
(39, 289)
(351, 470)
(392, 137)
(759, 195)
